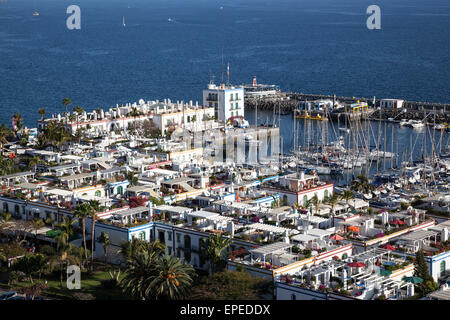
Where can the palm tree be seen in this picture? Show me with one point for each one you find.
(347, 195)
(33, 162)
(56, 133)
(152, 277)
(66, 102)
(5, 132)
(37, 224)
(132, 178)
(95, 207)
(213, 249)
(67, 225)
(131, 248)
(82, 212)
(78, 110)
(315, 202)
(63, 257)
(105, 242)
(173, 278)
(42, 113)
(333, 200)
(18, 121)
(6, 216)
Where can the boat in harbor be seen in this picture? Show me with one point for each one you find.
(305, 115)
(416, 124)
(35, 13)
(441, 126)
(404, 122)
(347, 130)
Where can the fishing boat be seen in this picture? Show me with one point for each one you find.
(347, 130)
(35, 13)
(441, 126)
(416, 124)
(305, 115)
(170, 20)
(404, 122)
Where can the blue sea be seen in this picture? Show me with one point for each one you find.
(320, 46)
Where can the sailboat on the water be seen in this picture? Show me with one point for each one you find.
(123, 22)
(35, 12)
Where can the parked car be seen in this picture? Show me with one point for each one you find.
(17, 298)
(8, 295)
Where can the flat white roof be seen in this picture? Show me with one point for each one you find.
(314, 219)
(76, 177)
(358, 203)
(304, 237)
(268, 227)
(320, 232)
(220, 218)
(272, 248)
(439, 227)
(71, 157)
(441, 294)
(203, 214)
(99, 199)
(27, 185)
(418, 235)
(177, 209)
(59, 192)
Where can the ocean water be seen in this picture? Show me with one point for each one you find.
(312, 46)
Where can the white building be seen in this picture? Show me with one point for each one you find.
(228, 101)
(391, 103)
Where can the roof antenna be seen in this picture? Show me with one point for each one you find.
(228, 74)
(222, 68)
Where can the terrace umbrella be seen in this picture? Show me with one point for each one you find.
(397, 222)
(336, 237)
(413, 280)
(388, 247)
(353, 228)
(356, 264)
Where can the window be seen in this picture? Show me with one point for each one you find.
(293, 297)
(237, 96)
(5, 207)
(98, 193)
(231, 97)
(325, 195)
(169, 236)
(120, 190)
(142, 235)
(178, 238)
(305, 201)
(187, 256)
(443, 268)
(161, 236)
(169, 251)
(187, 242)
